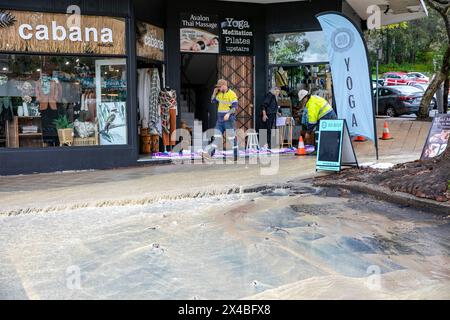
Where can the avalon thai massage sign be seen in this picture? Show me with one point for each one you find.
(199, 33)
(25, 31)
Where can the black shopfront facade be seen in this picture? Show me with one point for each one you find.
(117, 143)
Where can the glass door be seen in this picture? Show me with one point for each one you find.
(111, 97)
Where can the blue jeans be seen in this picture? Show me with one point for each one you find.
(229, 127)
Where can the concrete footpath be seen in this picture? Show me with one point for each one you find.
(142, 185)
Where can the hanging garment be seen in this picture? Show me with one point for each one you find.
(173, 112)
(144, 96)
(6, 104)
(282, 79)
(154, 109)
(6, 109)
(48, 93)
(84, 111)
(91, 106)
(173, 125)
(169, 109)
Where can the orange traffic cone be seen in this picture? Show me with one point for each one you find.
(386, 133)
(301, 151)
(360, 139)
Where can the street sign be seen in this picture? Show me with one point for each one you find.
(335, 149)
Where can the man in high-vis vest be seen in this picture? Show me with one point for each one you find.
(227, 104)
(317, 109)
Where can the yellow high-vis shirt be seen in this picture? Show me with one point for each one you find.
(317, 108)
(226, 101)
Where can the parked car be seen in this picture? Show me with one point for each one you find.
(395, 101)
(424, 88)
(417, 78)
(394, 78)
(380, 83)
(420, 86)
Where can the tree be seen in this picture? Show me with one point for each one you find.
(429, 178)
(442, 7)
(409, 46)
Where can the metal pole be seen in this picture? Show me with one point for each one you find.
(377, 93)
(375, 118)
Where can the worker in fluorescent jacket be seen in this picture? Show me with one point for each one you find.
(317, 109)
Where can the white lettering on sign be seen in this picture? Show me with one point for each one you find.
(151, 41)
(242, 24)
(59, 33)
(198, 21)
(22, 29)
(232, 40)
(351, 96)
(199, 18)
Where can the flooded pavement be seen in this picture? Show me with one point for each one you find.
(292, 243)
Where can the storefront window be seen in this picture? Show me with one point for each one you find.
(62, 101)
(295, 48)
(316, 79)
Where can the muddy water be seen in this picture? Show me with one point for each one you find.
(293, 243)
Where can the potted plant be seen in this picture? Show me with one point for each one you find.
(65, 130)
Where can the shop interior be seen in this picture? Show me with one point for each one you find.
(150, 84)
(316, 78)
(62, 101)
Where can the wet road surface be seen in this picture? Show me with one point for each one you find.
(293, 243)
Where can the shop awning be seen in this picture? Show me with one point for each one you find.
(392, 11)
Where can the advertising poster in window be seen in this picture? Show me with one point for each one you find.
(437, 141)
(237, 36)
(113, 123)
(199, 33)
(59, 33)
(150, 41)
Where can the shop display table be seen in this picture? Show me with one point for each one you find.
(18, 138)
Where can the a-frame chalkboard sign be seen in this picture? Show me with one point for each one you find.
(335, 148)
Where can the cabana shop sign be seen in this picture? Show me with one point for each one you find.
(51, 32)
(60, 33)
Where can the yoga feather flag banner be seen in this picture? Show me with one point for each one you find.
(347, 52)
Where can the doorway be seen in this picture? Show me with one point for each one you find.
(150, 81)
(199, 74)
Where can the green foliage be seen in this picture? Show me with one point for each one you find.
(288, 48)
(63, 123)
(426, 56)
(410, 46)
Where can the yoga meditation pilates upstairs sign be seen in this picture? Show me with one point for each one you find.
(23, 31)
